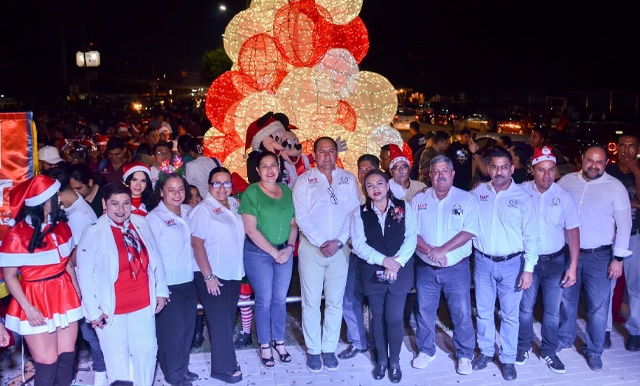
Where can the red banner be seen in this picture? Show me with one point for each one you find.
(18, 158)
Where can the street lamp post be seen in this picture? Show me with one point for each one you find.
(87, 59)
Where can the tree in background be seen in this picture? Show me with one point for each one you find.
(214, 64)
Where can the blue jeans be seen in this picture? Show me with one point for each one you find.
(632, 277)
(352, 307)
(455, 282)
(498, 278)
(89, 334)
(270, 282)
(593, 277)
(547, 276)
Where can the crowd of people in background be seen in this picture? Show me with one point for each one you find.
(129, 226)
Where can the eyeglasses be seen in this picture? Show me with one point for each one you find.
(400, 167)
(332, 196)
(163, 153)
(218, 184)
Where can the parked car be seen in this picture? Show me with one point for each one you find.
(475, 121)
(404, 116)
(490, 140)
(515, 124)
(428, 110)
(447, 117)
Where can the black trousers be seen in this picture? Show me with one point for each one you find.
(220, 312)
(175, 326)
(387, 311)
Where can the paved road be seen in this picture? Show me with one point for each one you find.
(620, 367)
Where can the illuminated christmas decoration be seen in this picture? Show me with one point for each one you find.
(300, 57)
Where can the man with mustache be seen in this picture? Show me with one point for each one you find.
(605, 227)
(558, 216)
(506, 252)
(447, 220)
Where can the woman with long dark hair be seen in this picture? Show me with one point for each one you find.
(384, 237)
(137, 176)
(45, 307)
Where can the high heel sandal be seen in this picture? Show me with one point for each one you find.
(284, 358)
(268, 363)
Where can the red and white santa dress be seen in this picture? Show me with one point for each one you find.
(45, 281)
(137, 206)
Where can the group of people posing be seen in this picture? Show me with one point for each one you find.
(136, 272)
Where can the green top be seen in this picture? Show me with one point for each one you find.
(273, 215)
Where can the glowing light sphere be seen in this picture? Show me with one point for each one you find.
(374, 100)
(386, 134)
(308, 98)
(359, 143)
(303, 32)
(260, 59)
(220, 145)
(342, 11)
(353, 37)
(346, 116)
(226, 90)
(243, 26)
(268, 5)
(251, 108)
(341, 68)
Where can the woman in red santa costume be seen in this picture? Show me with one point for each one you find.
(45, 307)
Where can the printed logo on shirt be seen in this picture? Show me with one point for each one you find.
(484, 197)
(343, 181)
(422, 206)
(236, 205)
(513, 203)
(170, 222)
(555, 201)
(312, 180)
(217, 210)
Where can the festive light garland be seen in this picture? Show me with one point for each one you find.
(300, 57)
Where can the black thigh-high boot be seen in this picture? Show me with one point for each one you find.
(198, 337)
(66, 364)
(45, 374)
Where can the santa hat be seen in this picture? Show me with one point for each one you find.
(260, 129)
(396, 155)
(133, 167)
(123, 127)
(101, 140)
(167, 125)
(542, 154)
(162, 129)
(32, 192)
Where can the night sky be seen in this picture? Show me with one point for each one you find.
(432, 46)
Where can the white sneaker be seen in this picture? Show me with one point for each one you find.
(464, 366)
(422, 361)
(100, 378)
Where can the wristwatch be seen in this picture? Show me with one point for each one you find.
(210, 277)
(340, 245)
(618, 258)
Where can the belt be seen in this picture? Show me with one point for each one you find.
(594, 250)
(57, 275)
(277, 246)
(500, 258)
(633, 233)
(551, 255)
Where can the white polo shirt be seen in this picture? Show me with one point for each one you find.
(320, 215)
(80, 215)
(508, 223)
(372, 256)
(223, 234)
(556, 212)
(173, 236)
(604, 210)
(440, 220)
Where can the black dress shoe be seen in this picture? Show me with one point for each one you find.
(378, 371)
(395, 374)
(607, 340)
(189, 376)
(633, 343)
(350, 352)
